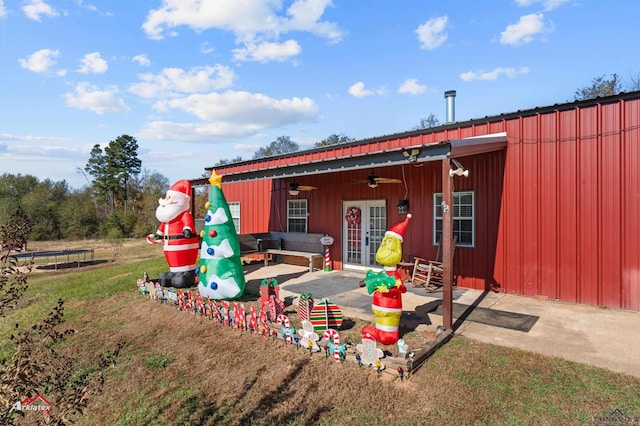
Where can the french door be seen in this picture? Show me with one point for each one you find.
(364, 225)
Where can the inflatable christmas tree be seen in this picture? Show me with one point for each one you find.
(220, 274)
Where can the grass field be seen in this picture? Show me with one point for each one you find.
(177, 368)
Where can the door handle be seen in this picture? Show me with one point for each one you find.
(366, 240)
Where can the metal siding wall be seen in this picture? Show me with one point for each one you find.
(529, 193)
(588, 206)
(254, 198)
(511, 217)
(610, 207)
(630, 176)
(567, 186)
(549, 207)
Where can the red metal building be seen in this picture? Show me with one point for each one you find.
(551, 206)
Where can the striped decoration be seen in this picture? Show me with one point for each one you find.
(305, 304)
(283, 321)
(325, 315)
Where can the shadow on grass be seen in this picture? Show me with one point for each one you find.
(69, 265)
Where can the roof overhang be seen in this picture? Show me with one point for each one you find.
(453, 148)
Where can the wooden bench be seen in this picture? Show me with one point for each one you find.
(283, 245)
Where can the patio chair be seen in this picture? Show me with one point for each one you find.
(430, 273)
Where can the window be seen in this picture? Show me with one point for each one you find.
(297, 215)
(463, 218)
(234, 208)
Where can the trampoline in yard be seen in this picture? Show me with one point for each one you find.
(59, 256)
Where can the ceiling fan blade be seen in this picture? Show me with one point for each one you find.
(388, 180)
(306, 188)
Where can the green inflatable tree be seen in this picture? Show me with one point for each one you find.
(220, 274)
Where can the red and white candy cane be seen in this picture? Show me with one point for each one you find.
(253, 323)
(225, 312)
(284, 320)
(215, 312)
(331, 333)
(239, 317)
(200, 303)
(190, 305)
(264, 325)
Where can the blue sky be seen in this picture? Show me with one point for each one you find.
(196, 81)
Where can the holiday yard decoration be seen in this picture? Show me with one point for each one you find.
(220, 274)
(387, 293)
(177, 232)
(325, 315)
(370, 354)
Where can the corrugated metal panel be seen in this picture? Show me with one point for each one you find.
(630, 176)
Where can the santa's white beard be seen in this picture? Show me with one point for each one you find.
(168, 212)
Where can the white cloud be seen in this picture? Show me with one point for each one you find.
(93, 63)
(243, 107)
(3, 10)
(494, 74)
(546, 4)
(231, 115)
(35, 8)
(94, 99)
(265, 52)
(174, 81)
(358, 90)
(40, 61)
(206, 48)
(257, 24)
(412, 87)
(141, 60)
(432, 33)
(525, 30)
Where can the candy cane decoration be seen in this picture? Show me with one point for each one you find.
(327, 259)
(238, 316)
(331, 333)
(264, 325)
(190, 305)
(269, 308)
(215, 311)
(225, 312)
(283, 321)
(181, 300)
(200, 304)
(253, 323)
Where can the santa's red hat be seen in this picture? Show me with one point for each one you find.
(181, 187)
(399, 229)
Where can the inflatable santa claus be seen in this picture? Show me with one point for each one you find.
(178, 235)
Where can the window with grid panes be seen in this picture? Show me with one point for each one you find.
(463, 218)
(234, 208)
(297, 215)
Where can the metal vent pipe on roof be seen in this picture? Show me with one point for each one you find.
(450, 96)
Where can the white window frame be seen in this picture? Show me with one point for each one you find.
(234, 208)
(298, 209)
(457, 218)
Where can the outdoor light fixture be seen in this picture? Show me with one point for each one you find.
(411, 156)
(373, 183)
(403, 206)
(457, 169)
(293, 189)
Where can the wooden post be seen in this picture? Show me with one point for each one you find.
(447, 241)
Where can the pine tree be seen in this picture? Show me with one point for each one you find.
(220, 275)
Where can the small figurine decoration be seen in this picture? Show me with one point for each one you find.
(403, 348)
(307, 334)
(387, 296)
(333, 345)
(369, 353)
(287, 332)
